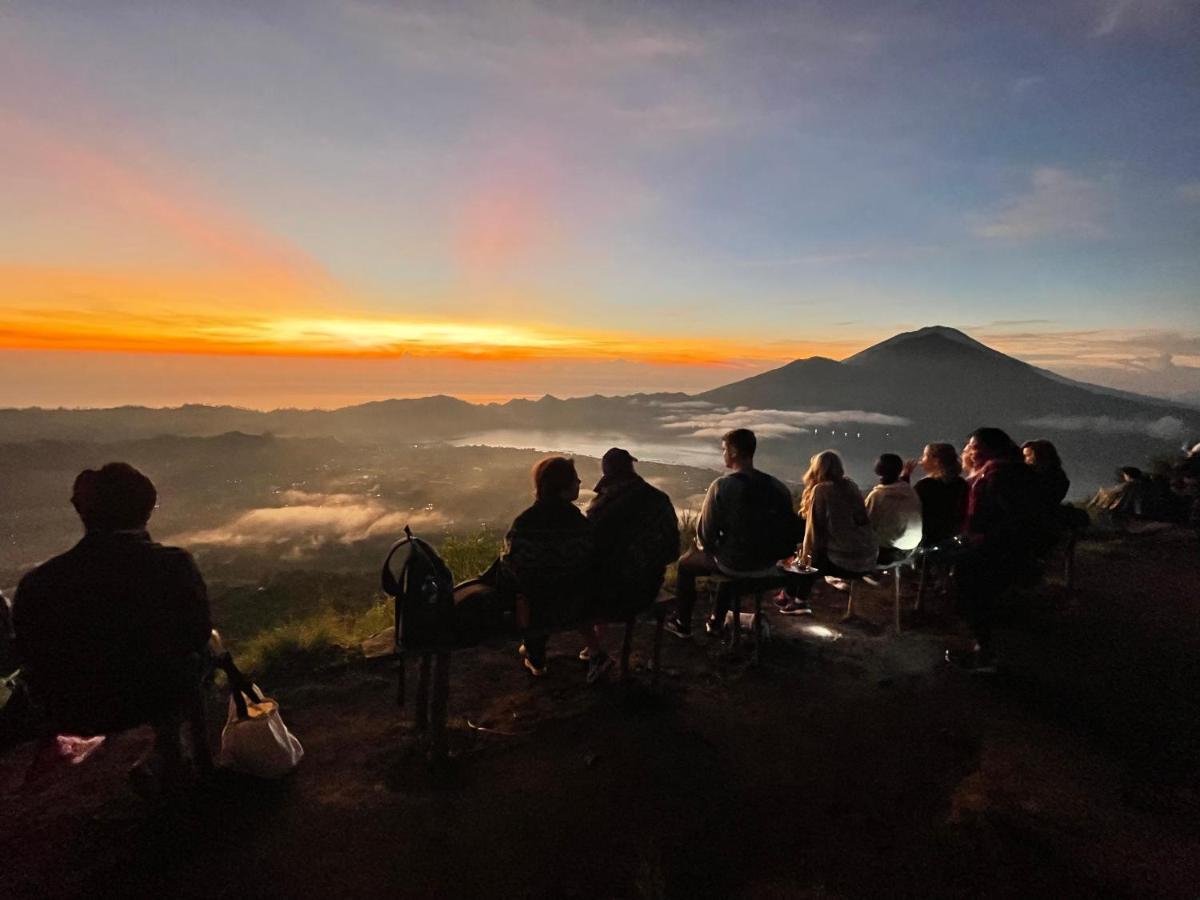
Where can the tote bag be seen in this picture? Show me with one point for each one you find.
(255, 741)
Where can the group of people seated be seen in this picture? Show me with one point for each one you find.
(115, 632)
(1169, 493)
(573, 566)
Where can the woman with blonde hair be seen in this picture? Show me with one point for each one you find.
(838, 538)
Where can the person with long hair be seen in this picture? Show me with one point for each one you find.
(1006, 528)
(838, 538)
(1042, 456)
(943, 492)
(549, 552)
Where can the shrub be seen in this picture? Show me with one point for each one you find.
(468, 556)
(296, 648)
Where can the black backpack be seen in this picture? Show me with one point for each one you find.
(423, 587)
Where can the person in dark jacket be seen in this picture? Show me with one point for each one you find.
(636, 532)
(549, 555)
(1042, 456)
(1006, 528)
(113, 633)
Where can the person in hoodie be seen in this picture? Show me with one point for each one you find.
(548, 555)
(894, 510)
(636, 535)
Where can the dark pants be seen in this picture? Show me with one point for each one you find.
(694, 564)
(982, 579)
(801, 587)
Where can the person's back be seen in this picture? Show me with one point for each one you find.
(747, 521)
(636, 536)
(840, 528)
(106, 631)
(943, 507)
(1006, 512)
(893, 508)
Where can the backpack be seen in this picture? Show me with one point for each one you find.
(776, 528)
(423, 588)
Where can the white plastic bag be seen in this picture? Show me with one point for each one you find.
(255, 741)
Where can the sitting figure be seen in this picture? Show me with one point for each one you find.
(1125, 499)
(943, 493)
(1053, 483)
(548, 554)
(838, 537)
(746, 524)
(636, 536)
(113, 633)
(894, 510)
(1006, 533)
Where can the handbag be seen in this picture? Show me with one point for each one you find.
(254, 740)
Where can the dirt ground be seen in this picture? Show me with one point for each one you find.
(860, 766)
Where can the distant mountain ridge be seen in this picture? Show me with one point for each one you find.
(942, 380)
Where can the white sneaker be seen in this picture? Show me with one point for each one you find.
(585, 654)
(838, 583)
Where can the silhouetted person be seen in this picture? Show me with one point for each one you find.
(1053, 482)
(636, 536)
(113, 633)
(746, 524)
(1125, 499)
(549, 553)
(1006, 527)
(943, 492)
(894, 510)
(838, 537)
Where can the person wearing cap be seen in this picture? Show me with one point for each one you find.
(112, 633)
(636, 536)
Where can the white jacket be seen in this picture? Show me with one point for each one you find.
(895, 514)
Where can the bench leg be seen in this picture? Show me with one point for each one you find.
(421, 713)
(735, 604)
(441, 705)
(756, 625)
(627, 647)
(850, 599)
(898, 599)
(1069, 569)
(921, 581)
(656, 657)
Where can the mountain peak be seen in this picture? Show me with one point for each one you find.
(932, 339)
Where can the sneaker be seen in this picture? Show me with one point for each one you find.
(585, 654)
(837, 583)
(598, 667)
(796, 608)
(537, 667)
(676, 626)
(782, 599)
(873, 580)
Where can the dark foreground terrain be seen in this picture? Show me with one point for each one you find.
(839, 768)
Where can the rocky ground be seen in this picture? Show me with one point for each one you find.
(856, 766)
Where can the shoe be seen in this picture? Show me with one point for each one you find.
(536, 667)
(782, 599)
(873, 580)
(585, 654)
(837, 583)
(598, 667)
(796, 608)
(676, 626)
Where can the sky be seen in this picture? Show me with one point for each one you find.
(320, 203)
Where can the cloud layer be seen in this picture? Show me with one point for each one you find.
(1167, 428)
(772, 423)
(311, 520)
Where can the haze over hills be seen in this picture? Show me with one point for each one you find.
(934, 383)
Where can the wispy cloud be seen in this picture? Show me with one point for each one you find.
(1168, 428)
(774, 423)
(312, 520)
(1058, 203)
